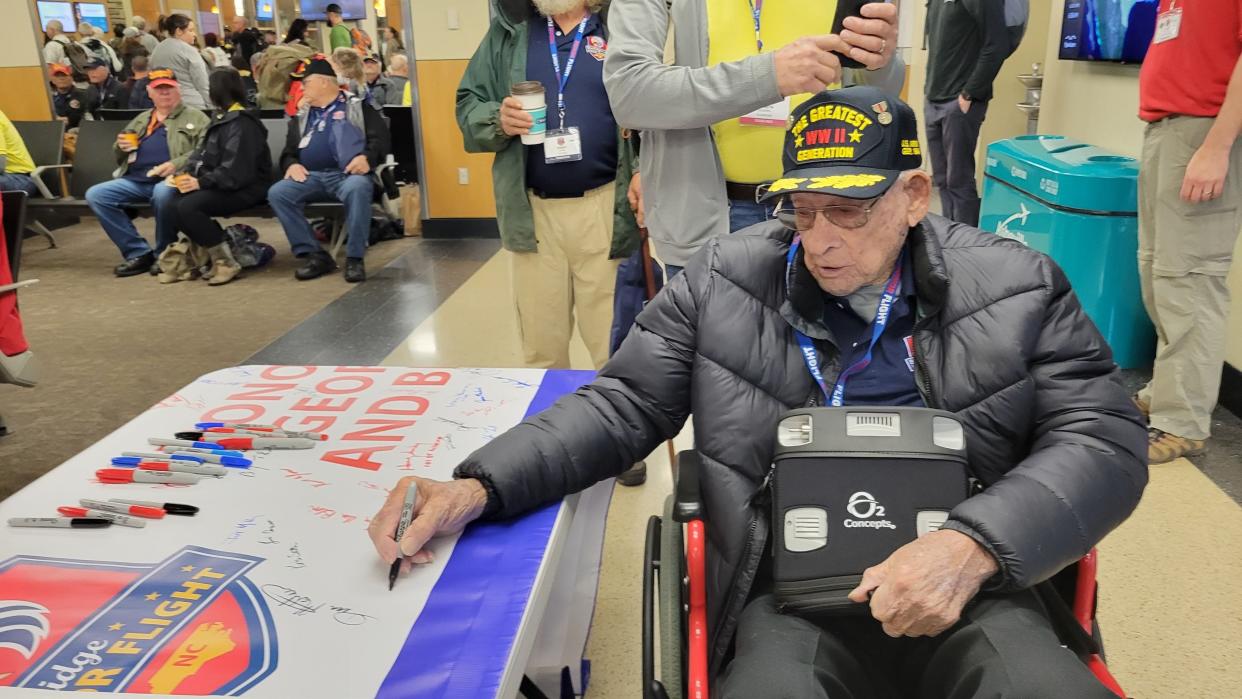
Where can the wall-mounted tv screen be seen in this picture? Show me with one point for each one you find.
(1107, 30)
(313, 10)
(94, 14)
(263, 9)
(61, 11)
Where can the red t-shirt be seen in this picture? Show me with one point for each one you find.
(1188, 75)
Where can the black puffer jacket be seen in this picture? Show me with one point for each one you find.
(234, 153)
(1000, 340)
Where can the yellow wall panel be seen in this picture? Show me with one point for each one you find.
(444, 151)
(24, 97)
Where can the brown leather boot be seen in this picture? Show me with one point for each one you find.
(224, 268)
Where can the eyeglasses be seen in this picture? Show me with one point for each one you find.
(850, 216)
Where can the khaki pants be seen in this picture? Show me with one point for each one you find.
(569, 275)
(1184, 255)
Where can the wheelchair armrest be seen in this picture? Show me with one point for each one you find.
(689, 504)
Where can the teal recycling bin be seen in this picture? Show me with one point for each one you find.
(1078, 204)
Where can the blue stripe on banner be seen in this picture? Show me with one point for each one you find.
(458, 646)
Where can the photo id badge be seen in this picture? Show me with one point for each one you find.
(562, 146)
(771, 115)
(1168, 25)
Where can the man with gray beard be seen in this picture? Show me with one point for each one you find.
(561, 205)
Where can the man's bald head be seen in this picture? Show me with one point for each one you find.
(399, 65)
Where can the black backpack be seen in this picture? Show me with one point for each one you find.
(79, 59)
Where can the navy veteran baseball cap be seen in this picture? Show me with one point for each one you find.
(853, 142)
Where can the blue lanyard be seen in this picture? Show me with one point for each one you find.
(563, 80)
(892, 290)
(756, 6)
(324, 116)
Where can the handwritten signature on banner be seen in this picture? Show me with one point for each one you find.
(302, 605)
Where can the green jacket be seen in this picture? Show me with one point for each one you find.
(499, 62)
(185, 127)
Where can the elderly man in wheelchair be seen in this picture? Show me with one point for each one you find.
(907, 562)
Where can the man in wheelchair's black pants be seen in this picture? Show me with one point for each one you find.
(1003, 647)
(868, 300)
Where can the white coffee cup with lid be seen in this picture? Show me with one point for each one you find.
(530, 94)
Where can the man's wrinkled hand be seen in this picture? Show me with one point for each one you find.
(808, 64)
(514, 120)
(1205, 174)
(872, 38)
(635, 195)
(163, 169)
(441, 508)
(296, 172)
(358, 166)
(922, 588)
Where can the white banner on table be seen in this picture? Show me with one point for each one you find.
(273, 589)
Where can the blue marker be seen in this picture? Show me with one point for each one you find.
(221, 458)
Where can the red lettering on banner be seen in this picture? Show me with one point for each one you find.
(354, 383)
(360, 369)
(274, 373)
(226, 413)
(420, 403)
(355, 458)
(420, 378)
(306, 404)
(307, 423)
(263, 391)
(381, 426)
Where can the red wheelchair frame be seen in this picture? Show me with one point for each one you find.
(686, 507)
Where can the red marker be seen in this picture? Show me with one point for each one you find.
(266, 432)
(263, 443)
(124, 509)
(128, 475)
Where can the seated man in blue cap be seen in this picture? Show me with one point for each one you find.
(860, 298)
(334, 142)
(104, 90)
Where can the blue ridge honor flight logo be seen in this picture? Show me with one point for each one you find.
(190, 624)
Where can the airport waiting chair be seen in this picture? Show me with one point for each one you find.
(45, 140)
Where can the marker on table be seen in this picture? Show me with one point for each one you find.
(229, 442)
(157, 455)
(161, 442)
(133, 508)
(172, 508)
(184, 467)
(125, 475)
(179, 466)
(60, 522)
(222, 457)
(205, 452)
(407, 516)
(123, 520)
(263, 432)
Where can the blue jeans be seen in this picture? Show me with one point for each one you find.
(106, 198)
(288, 199)
(741, 215)
(18, 182)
